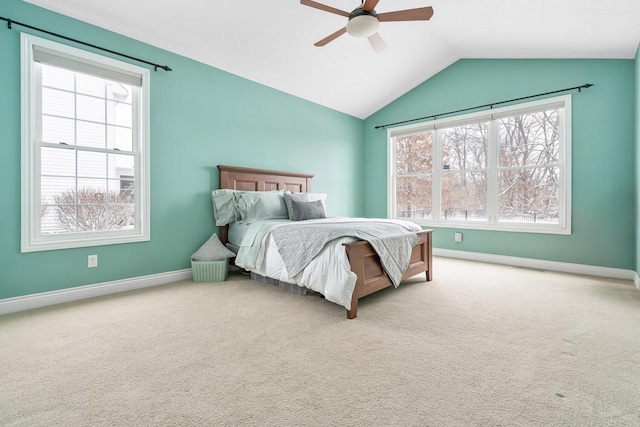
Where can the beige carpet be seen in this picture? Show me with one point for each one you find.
(481, 345)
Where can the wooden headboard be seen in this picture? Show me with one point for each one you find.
(250, 179)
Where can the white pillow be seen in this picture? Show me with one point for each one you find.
(212, 250)
(225, 210)
(259, 205)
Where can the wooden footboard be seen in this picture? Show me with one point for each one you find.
(365, 263)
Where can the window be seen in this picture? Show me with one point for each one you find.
(85, 148)
(507, 169)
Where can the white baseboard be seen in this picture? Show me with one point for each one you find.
(540, 264)
(27, 302)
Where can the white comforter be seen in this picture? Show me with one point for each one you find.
(328, 273)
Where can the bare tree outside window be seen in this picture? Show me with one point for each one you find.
(529, 176)
(88, 210)
(414, 165)
(464, 177)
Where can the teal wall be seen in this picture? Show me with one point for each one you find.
(637, 123)
(603, 198)
(200, 117)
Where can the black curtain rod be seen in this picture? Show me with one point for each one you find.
(155, 66)
(585, 86)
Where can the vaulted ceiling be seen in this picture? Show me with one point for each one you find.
(272, 42)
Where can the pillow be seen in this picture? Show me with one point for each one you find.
(259, 205)
(212, 250)
(225, 210)
(307, 210)
(302, 197)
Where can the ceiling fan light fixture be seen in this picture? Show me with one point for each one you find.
(363, 25)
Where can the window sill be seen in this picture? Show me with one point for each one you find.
(477, 225)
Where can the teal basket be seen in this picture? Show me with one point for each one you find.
(210, 271)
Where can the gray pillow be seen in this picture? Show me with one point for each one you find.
(303, 197)
(307, 210)
(212, 250)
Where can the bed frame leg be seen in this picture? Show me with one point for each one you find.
(351, 314)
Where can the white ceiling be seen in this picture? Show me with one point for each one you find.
(271, 42)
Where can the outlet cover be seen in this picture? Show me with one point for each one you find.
(92, 261)
(457, 237)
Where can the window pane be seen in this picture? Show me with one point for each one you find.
(464, 147)
(90, 108)
(92, 200)
(530, 139)
(58, 103)
(58, 161)
(120, 138)
(119, 92)
(91, 134)
(92, 217)
(58, 219)
(119, 165)
(529, 195)
(413, 197)
(119, 114)
(464, 196)
(414, 153)
(57, 129)
(54, 187)
(90, 85)
(91, 164)
(121, 190)
(61, 217)
(57, 78)
(121, 216)
(92, 190)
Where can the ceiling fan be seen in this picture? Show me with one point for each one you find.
(364, 21)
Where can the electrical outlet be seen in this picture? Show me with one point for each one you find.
(92, 261)
(457, 237)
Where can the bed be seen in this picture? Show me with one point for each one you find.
(363, 260)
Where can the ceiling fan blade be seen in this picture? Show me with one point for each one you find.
(331, 37)
(420, 14)
(324, 7)
(377, 43)
(369, 5)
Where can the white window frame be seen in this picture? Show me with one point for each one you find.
(31, 238)
(564, 226)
